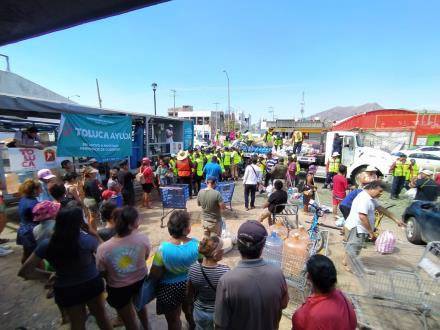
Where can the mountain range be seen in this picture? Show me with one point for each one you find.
(338, 113)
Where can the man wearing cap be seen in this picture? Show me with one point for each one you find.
(427, 188)
(332, 168)
(368, 175)
(46, 177)
(95, 164)
(184, 170)
(212, 205)
(227, 162)
(199, 163)
(398, 170)
(297, 138)
(411, 173)
(253, 294)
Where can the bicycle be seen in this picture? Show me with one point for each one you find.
(315, 234)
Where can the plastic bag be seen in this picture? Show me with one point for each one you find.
(411, 193)
(386, 242)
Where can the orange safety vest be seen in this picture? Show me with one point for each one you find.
(183, 168)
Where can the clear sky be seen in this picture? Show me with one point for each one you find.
(339, 52)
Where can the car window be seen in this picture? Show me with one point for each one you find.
(433, 157)
(417, 156)
(430, 149)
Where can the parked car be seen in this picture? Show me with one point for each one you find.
(422, 222)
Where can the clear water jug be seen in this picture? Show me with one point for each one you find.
(279, 229)
(273, 249)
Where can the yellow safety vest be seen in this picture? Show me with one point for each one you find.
(298, 137)
(278, 141)
(227, 158)
(237, 158)
(333, 165)
(298, 168)
(269, 137)
(208, 158)
(173, 166)
(199, 161)
(410, 174)
(400, 169)
(226, 143)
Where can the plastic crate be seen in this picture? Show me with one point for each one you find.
(226, 189)
(174, 197)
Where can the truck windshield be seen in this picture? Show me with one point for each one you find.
(359, 141)
(385, 143)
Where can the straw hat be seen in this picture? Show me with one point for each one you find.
(182, 155)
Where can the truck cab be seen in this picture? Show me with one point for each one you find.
(356, 156)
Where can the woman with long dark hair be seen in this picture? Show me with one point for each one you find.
(122, 260)
(70, 251)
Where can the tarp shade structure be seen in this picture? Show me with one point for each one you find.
(23, 19)
(24, 107)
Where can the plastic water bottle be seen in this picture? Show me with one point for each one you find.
(273, 249)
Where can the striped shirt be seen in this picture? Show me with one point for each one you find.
(270, 163)
(205, 295)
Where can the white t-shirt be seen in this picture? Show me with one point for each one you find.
(363, 203)
(252, 174)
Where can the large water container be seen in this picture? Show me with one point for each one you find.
(279, 229)
(294, 256)
(273, 249)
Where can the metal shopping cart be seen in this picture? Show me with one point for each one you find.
(416, 289)
(226, 189)
(173, 197)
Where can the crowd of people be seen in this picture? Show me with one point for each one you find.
(81, 234)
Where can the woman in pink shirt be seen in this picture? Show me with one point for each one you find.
(122, 261)
(340, 186)
(147, 186)
(326, 308)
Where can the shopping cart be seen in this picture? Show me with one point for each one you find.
(417, 288)
(173, 197)
(226, 189)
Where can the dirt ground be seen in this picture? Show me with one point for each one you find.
(23, 304)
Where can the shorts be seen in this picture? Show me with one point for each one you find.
(355, 241)
(212, 228)
(147, 187)
(336, 200)
(170, 296)
(120, 297)
(80, 293)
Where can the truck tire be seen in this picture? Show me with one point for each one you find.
(354, 178)
(413, 231)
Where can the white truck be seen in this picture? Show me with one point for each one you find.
(356, 155)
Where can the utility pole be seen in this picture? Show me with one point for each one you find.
(273, 113)
(302, 106)
(229, 100)
(154, 86)
(216, 115)
(174, 99)
(99, 93)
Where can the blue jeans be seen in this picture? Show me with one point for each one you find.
(204, 320)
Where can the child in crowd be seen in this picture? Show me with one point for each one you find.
(109, 212)
(122, 261)
(340, 186)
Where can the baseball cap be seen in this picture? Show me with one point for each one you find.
(251, 232)
(211, 178)
(45, 174)
(427, 172)
(370, 169)
(107, 194)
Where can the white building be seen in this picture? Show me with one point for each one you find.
(206, 122)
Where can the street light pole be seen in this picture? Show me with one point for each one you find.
(154, 86)
(229, 99)
(174, 102)
(216, 116)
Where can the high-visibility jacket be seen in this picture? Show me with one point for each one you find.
(220, 162)
(262, 166)
(199, 165)
(183, 168)
(268, 137)
(297, 136)
(333, 165)
(226, 143)
(227, 158)
(400, 168)
(278, 141)
(298, 168)
(208, 157)
(173, 166)
(412, 173)
(236, 157)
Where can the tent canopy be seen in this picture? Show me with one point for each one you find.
(23, 19)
